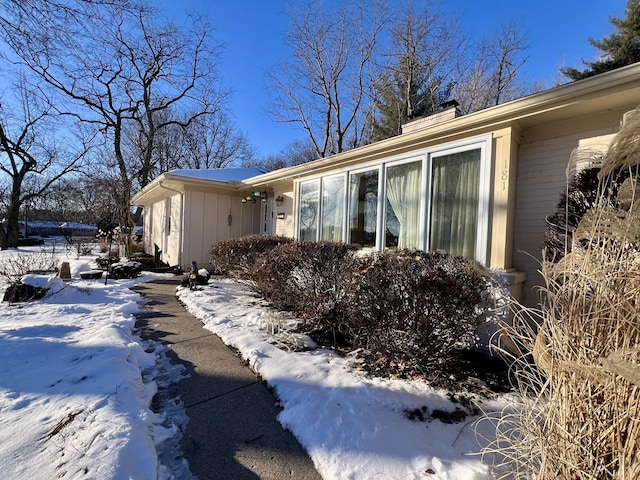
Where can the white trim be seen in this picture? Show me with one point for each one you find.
(321, 203)
(298, 189)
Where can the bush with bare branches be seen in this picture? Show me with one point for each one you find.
(236, 257)
(410, 311)
(15, 265)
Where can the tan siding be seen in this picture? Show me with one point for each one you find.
(217, 219)
(284, 227)
(250, 218)
(172, 254)
(541, 179)
(157, 227)
(206, 222)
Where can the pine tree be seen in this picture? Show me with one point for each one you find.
(400, 100)
(417, 79)
(618, 49)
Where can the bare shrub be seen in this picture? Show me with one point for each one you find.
(237, 257)
(308, 278)
(14, 265)
(409, 310)
(579, 357)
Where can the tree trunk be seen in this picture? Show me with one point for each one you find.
(11, 228)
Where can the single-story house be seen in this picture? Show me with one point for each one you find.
(479, 185)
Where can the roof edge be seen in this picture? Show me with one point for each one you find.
(509, 111)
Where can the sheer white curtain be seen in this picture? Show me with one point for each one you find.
(455, 190)
(309, 206)
(332, 208)
(403, 194)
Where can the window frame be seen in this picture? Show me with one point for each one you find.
(484, 192)
(422, 158)
(323, 180)
(379, 205)
(299, 205)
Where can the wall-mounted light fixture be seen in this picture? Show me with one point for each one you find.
(230, 218)
(279, 200)
(253, 196)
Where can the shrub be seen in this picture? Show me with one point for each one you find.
(409, 311)
(307, 278)
(125, 270)
(104, 261)
(21, 292)
(147, 260)
(236, 257)
(582, 193)
(14, 265)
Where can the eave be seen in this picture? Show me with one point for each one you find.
(161, 187)
(602, 93)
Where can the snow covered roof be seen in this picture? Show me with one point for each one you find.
(219, 174)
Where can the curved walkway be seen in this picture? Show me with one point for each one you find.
(233, 433)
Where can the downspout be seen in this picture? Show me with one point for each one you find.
(181, 236)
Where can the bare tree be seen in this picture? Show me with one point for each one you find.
(418, 67)
(491, 76)
(122, 67)
(296, 153)
(326, 86)
(214, 141)
(31, 157)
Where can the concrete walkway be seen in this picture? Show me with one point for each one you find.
(232, 432)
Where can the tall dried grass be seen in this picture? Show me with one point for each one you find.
(577, 358)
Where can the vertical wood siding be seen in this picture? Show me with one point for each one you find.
(206, 222)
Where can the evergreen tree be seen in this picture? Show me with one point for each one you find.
(423, 55)
(399, 101)
(618, 49)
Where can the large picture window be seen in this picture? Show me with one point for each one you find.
(332, 209)
(455, 199)
(363, 208)
(402, 212)
(436, 199)
(308, 211)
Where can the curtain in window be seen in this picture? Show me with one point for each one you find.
(363, 208)
(309, 203)
(455, 190)
(403, 195)
(332, 209)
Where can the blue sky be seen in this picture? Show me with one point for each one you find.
(252, 31)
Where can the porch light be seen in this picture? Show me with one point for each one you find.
(251, 198)
(279, 200)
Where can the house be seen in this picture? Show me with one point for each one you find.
(479, 185)
(186, 211)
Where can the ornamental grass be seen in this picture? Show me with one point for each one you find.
(577, 358)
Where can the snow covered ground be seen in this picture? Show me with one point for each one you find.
(76, 385)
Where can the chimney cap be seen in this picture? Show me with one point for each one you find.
(448, 104)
